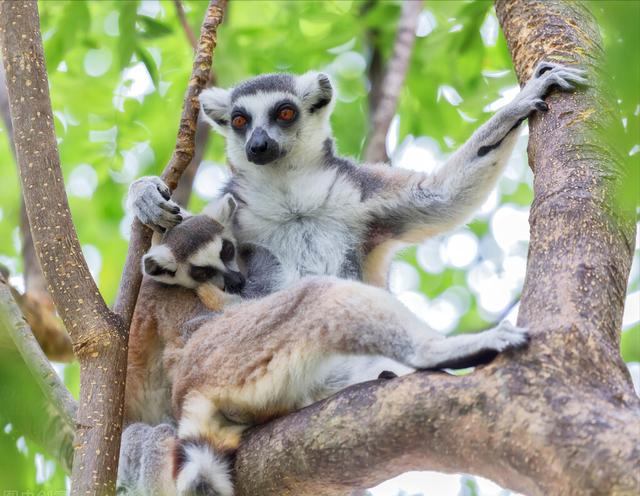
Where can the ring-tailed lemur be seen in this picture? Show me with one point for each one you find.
(199, 251)
(320, 214)
(228, 371)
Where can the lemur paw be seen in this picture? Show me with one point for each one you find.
(150, 200)
(506, 335)
(547, 76)
(201, 471)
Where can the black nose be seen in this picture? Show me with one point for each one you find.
(233, 282)
(261, 148)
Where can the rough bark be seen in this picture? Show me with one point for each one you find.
(35, 303)
(182, 155)
(559, 417)
(387, 93)
(98, 335)
(56, 430)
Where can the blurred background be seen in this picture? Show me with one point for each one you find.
(118, 72)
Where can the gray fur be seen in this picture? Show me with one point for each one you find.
(265, 83)
(189, 236)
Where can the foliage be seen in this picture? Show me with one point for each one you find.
(118, 71)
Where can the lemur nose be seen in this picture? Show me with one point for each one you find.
(233, 282)
(259, 141)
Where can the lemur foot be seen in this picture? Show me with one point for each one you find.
(547, 76)
(201, 472)
(506, 335)
(150, 200)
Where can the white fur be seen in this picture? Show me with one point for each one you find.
(308, 218)
(203, 463)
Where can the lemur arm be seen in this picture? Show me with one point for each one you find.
(409, 206)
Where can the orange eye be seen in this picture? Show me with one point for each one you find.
(239, 121)
(286, 114)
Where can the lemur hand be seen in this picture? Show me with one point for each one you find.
(150, 200)
(545, 77)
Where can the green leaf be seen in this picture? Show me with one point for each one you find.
(146, 58)
(127, 27)
(75, 19)
(153, 28)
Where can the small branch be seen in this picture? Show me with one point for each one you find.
(182, 156)
(389, 91)
(55, 392)
(182, 193)
(185, 24)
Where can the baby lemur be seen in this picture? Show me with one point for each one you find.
(227, 370)
(201, 250)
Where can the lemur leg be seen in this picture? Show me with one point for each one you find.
(365, 320)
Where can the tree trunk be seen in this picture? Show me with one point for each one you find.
(559, 417)
(98, 335)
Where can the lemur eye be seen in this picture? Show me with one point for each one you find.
(228, 251)
(239, 121)
(286, 114)
(202, 273)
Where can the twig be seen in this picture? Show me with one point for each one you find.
(185, 24)
(393, 81)
(182, 156)
(55, 392)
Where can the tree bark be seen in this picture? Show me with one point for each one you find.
(559, 417)
(35, 303)
(387, 94)
(98, 335)
(182, 155)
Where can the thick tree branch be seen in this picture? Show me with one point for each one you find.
(58, 440)
(560, 417)
(388, 92)
(98, 335)
(36, 304)
(182, 156)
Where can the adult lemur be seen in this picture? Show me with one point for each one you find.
(308, 212)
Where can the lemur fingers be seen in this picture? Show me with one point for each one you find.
(506, 335)
(546, 77)
(150, 200)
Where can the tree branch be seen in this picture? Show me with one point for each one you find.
(388, 92)
(36, 304)
(183, 154)
(59, 439)
(185, 24)
(560, 417)
(98, 335)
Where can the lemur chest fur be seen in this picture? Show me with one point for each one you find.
(312, 221)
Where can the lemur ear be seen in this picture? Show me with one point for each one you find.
(316, 91)
(215, 104)
(159, 262)
(222, 209)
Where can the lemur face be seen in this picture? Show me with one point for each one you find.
(271, 117)
(199, 250)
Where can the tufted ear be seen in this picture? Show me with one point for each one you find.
(316, 91)
(215, 103)
(222, 209)
(159, 263)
